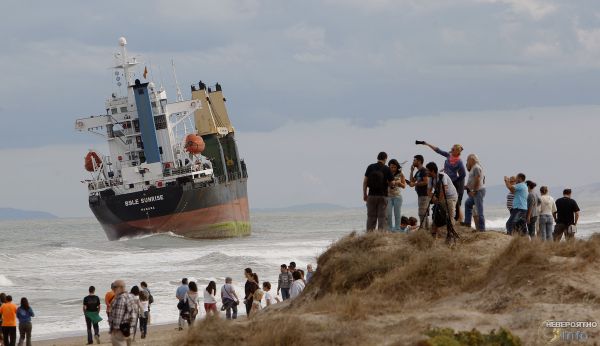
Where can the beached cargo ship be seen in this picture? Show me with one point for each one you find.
(172, 167)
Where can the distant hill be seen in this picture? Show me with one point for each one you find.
(303, 207)
(18, 214)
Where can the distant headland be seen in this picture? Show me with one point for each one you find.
(19, 214)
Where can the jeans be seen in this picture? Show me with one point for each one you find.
(248, 304)
(10, 335)
(531, 226)
(285, 293)
(144, 324)
(180, 321)
(424, 211)
(477, 202)
(517, 219)
(546, 223)
(393, 206)
(459, 184)
(25, 333)
(229, 307)
(89, 324)
(376, 206)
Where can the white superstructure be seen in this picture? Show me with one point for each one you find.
(146, 143)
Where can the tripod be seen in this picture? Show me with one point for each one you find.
(451, 234)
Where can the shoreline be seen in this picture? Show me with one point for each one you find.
(158, 334)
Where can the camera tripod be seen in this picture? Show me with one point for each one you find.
(451, 234)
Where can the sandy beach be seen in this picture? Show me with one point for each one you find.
(157, 335)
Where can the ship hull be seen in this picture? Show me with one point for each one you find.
(202, 211)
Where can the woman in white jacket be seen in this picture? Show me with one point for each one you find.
(297, 286)
(547, 210)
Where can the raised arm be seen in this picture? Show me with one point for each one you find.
(438, 150)
(510, 187)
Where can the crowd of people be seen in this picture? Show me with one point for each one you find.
(440, 193)
(128, 311)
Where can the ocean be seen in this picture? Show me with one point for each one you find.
(53, 262)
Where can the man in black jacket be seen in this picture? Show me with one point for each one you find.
(377, 180)
(566, 215)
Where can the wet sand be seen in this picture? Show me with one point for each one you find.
(162, 335)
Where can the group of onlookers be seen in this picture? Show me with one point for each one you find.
(189, 301)
(10, 313)
(444, 189)
(292, 280)
(128, 311)
(291, 283)
(532, 214)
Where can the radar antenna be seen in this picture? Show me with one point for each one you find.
(179, 95)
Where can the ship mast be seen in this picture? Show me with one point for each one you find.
(125, 63)
(179, 94)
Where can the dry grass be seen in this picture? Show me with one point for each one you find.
(390, 288)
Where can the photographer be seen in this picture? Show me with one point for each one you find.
(455, 169)
(442, 193)
(419, 181)
(518, 213)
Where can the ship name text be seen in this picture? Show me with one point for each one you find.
(144, 200)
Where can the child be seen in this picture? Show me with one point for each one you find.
(412, 224)
(256, 299)
(404, 227)
(268, 297)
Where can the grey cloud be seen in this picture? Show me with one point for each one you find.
(300, 61)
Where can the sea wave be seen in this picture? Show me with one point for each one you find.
(5, 282)
(168, 234)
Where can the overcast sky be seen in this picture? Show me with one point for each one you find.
(315, 88)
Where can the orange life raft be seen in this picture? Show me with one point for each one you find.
(194, 144)
(89, 165)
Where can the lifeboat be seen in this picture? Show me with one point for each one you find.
(194, 144)
(90, 158)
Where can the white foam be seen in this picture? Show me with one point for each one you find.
(5, 282)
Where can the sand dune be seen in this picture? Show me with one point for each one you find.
(389, 289)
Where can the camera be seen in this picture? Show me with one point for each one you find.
(419, 142)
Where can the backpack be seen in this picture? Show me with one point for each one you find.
(376, 180)
(439, 215)
(184, 308)
(150, 298)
